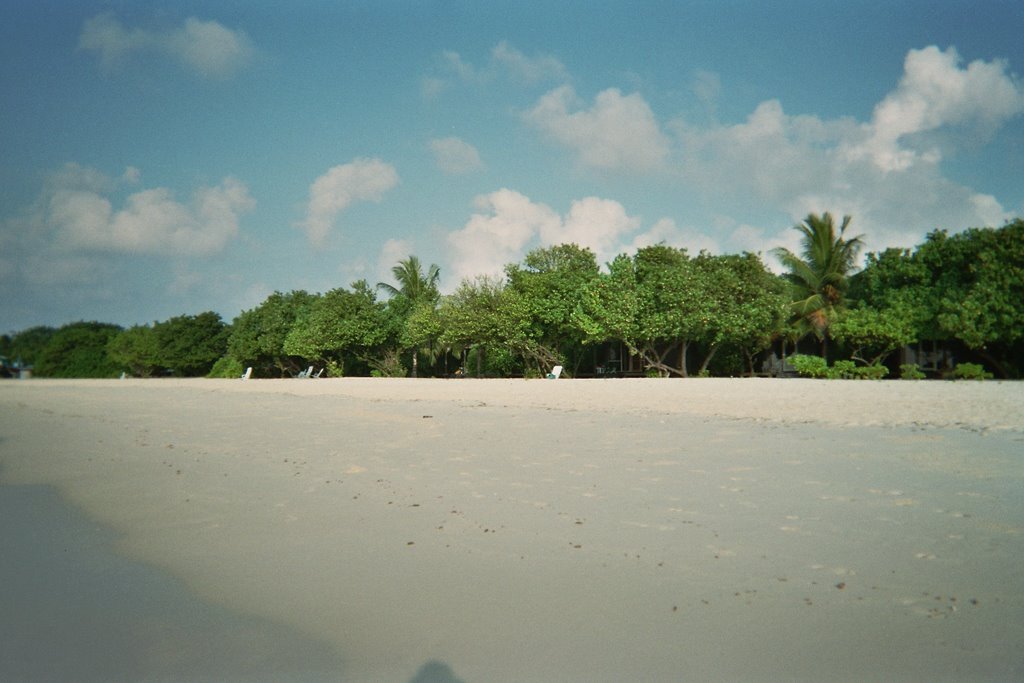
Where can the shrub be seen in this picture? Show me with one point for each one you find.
(842, 369)
(227, 368)
(971, 371)
(809, 366)
(911, 371)
(871, 372)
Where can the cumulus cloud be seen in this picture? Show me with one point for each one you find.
(339, 187)
(529, 69)
(207, 47)
(151, 221)
(665, 231)
(935, 91)
(508, 224)
(455, 156)
(505, 61)
(72, 240)
(618, 132)
(594, 223)
(886, 173)
(391, 252)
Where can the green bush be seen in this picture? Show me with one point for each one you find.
(227, 368)
(971, 371)
(871, 372)
(842, 369)
(809, 366)
(911, 371)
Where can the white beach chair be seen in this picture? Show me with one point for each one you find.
(248, 373)
(555, 373)
(305, 373)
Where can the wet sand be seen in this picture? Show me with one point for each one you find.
(570, 530)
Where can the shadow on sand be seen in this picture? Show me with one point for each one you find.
(73, 609)
(435, 672)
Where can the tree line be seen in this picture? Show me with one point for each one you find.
(674, 314)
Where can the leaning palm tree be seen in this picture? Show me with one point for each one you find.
(819, 275)
(415, 289)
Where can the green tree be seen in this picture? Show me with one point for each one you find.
(78, 350)
(25, 346)
(343, 326)
(258, 335)
(551, 283)
(189, 345)
(652, 303)
(819, 276)
(486, 316)
(873, 333)
(137, 350)
(745, 305)
(416, 292)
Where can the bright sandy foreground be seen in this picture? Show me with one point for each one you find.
(568, 530)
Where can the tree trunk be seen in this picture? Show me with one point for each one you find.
(683, 347)
(707, 359)
(415, 362)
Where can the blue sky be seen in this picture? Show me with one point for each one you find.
(161, 158)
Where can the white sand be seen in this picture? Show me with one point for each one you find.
(571, 530)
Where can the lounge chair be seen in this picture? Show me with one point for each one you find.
(555, 373)
(248, 373)
(305, 373)
(317, 375)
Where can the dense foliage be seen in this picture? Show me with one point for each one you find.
(951, 307)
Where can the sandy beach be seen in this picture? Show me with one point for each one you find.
(570, 530)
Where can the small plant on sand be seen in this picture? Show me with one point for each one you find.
(971, 371)
(226, 367)
(871, 372)
(911, 371)
(842, 369)
(809, 366)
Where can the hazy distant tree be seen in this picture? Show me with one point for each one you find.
(189, 345)
(25, 346)
(136, 350)
(78, 350)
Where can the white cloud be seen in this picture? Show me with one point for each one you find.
(131, 175)
(509, 224)
(528, 69)
(393, 251)
(617, 132)
(935, 92)
(207, 47)
(151, 222)
(666, 231)
(455, 156)
(505, 61)
(334, 191)
(886, 174)
(210, 48)
(597, 224)
(707, 87)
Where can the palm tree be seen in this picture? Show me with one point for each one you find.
(819, 276)
(415, 289)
